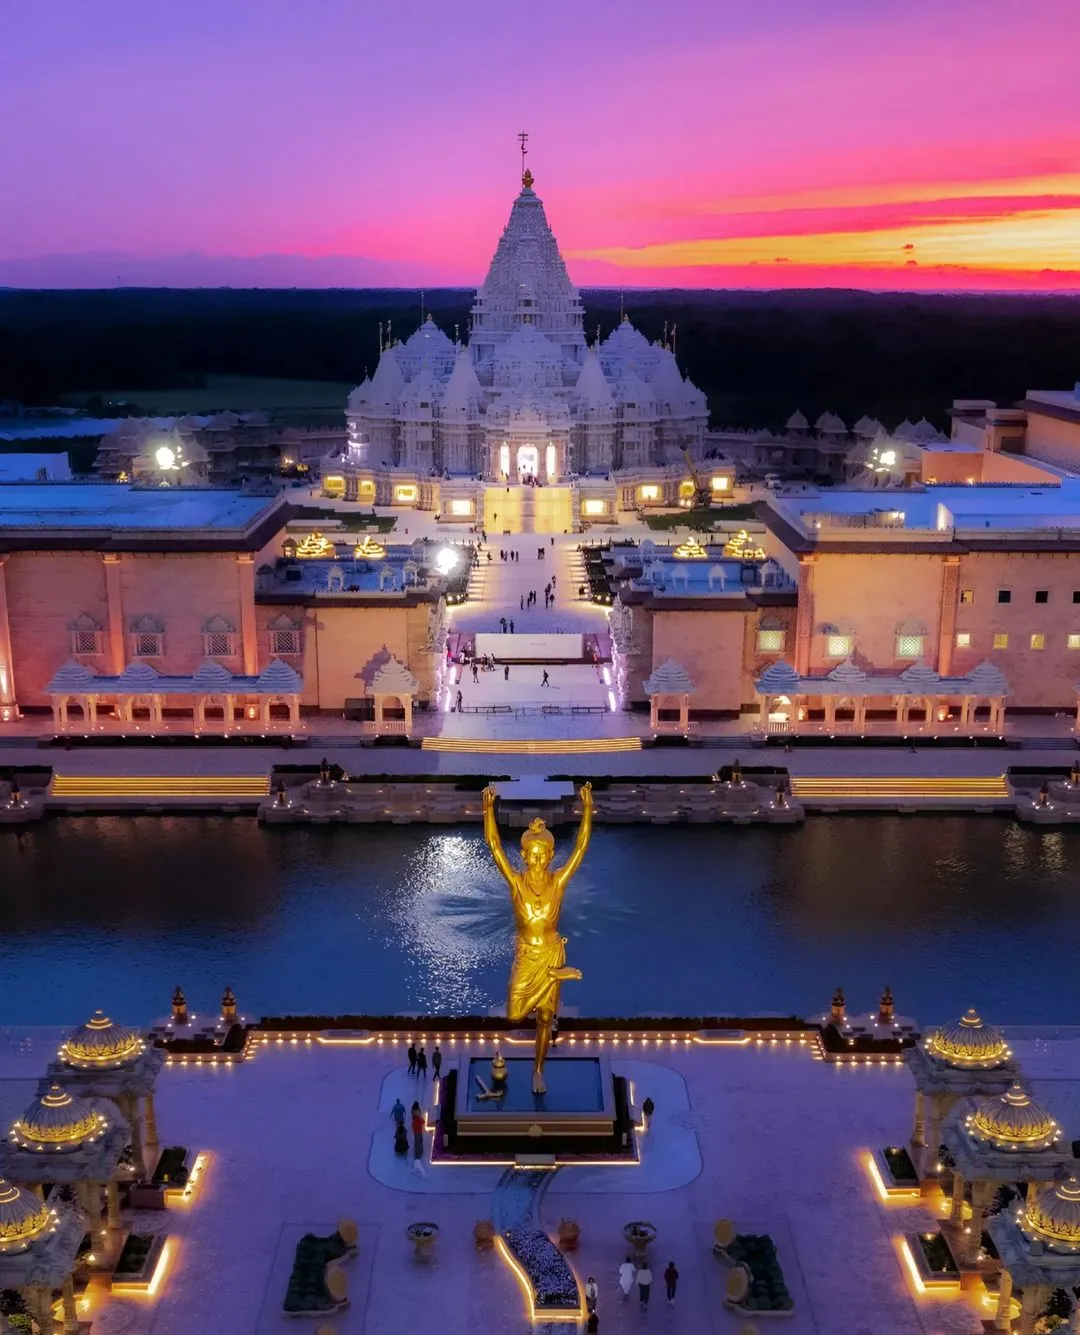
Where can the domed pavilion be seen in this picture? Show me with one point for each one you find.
(1039, 1247)
(105, 1060)
(997, 1141)
(965, 1059)
(74, 1141)
(38, 1250)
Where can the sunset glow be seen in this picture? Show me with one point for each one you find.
(735, 144)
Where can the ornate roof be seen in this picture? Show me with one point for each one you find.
(798, 421)
(463, 393)
(669, 678)
(58, 1121)
(279, 678)
(393, 678)
(1013, 1121)
(830, 424)
(968, 1044)
(779, 678)
(138, 675)
(212, 675)
(592, 389)
(73, 676)
(1053, 1217)
(387, 382)
(22, 1217)
(101, 1044)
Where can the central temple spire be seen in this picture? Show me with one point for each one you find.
(526, 175)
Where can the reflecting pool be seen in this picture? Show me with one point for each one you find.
(115, 911)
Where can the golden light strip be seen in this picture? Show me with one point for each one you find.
(885, 1193)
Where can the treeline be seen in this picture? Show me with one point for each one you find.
(758, 356)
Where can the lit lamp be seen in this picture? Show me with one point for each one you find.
(228, 1006)
(252, 712)
(179, 1006)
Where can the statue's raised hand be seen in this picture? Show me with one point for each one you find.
(586, 795)
(488, 797)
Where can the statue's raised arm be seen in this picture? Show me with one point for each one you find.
(491, 833)
(581, 843)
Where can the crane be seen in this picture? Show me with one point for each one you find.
(702, 493)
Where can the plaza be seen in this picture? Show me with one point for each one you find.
(763, 1132)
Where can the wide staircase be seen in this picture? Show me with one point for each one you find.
(223, 790)
(870, 790)
(510, 746)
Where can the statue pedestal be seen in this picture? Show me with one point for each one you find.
(585, 1110)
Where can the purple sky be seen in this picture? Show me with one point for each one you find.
(771, 142)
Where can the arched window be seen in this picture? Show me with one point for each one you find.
(219, 638)
(147, 637)
(87, 636)
(910, 639)
(771, 635)
(839, 640)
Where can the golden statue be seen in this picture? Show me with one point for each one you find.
(536, 893)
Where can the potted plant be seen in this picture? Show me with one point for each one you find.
(639, 1233)
(484, 1235)
(569, 1233)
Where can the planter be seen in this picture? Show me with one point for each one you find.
(554, 1287)
(311, 1291)
(422, 1235)
(569, 1233)
(137, 1263)
(639, 1233)
(933, 1260)
(484, 1235)
(899, 1168)
(756, 1285)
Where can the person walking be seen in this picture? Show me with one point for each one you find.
(506, 672)
(627, 1274)
(671, 1281)
(521, 603)
(553, 579)
(436, 1063)
(545, 681)
(593, 1323)
(397, 1112)
(421, 1063)
(644, 1283)
(502, 622)
(412, 1058)
(592, 1294)
(459, 702)
(511, 625)
(475, 673)
(417, 1132)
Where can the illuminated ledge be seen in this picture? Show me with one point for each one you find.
(186, 1194)
(919, 1278)
(155, 1272)
(880, 1180)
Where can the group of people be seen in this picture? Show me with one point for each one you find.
(529, 599)
(418, 1062)
(630, 1275)
(508, 554)
(416, 1122)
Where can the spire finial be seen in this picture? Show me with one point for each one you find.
(526, 175)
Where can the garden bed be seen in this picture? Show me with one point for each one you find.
(172, 1167)
(554, 1287)
(307, 1293)
(934, 1260)
(137, 1264)
(768, 1292)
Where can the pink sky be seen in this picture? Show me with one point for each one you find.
(720, 143)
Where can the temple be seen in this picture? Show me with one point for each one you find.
(527, 402)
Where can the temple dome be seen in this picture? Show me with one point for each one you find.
(968, 1043)
(1013, 1120)
(22, 1217)
(101, 1043)
(58, 1121)
(1053, 1217)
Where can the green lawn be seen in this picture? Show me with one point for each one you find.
(702, 520)
(226, 391)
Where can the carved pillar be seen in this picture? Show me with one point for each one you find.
(151, 1121)
(1030, 1306)
(956, 1213)
(130, 1109)
(928, 1170)
(9, 708)
(981, 1196)
(804, 620)
(245, 567)
(950, 592)
(112, 1202)
(92, 1199)
(71, 1313)
(918, 1134)
(114, 638)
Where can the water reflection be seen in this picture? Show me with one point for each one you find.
(948, 910)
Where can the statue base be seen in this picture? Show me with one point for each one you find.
(585, 1109)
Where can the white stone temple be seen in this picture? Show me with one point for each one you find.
(526, 402)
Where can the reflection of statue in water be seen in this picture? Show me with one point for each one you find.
(536, 893)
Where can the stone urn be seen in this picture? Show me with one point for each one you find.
(569, 1234)
(484, 1235)
(639, 1233)
(422, 1235)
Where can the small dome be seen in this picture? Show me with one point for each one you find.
(968, 1043)
(101, 1043)
(1053, 1217)
(1013, 1121)
(58, 1121)
(22, 1218)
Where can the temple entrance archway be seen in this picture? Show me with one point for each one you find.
(528, 461)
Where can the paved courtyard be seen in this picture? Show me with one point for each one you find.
(766, 1135)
